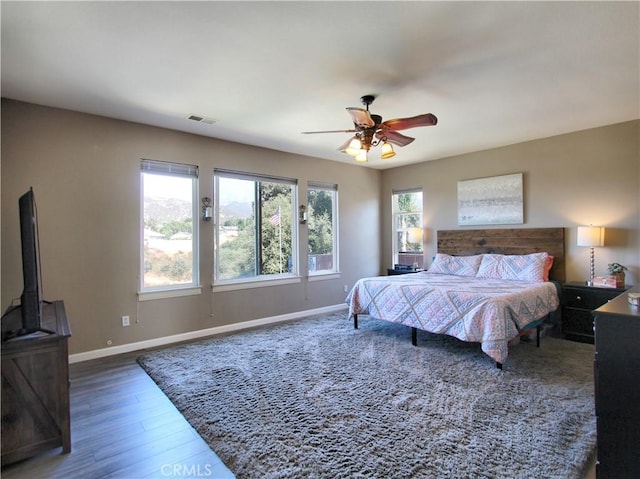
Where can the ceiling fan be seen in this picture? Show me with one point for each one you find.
(367, 126)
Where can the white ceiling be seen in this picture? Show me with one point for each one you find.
(494, 73)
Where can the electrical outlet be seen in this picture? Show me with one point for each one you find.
(346, 288)
(125, 321)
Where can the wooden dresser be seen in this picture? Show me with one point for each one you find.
(35, 389)
(617, 388)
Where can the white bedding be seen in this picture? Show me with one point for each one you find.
(485, 310)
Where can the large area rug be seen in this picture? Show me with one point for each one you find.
(315, 398)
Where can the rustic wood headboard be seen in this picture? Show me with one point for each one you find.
(507, 241)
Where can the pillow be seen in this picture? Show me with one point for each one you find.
(547, 268)
(525, 267)
(456, 265)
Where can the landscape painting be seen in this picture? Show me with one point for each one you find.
(490, 201)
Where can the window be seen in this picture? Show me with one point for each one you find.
(322, 204)
(170, 226)
(254, 227)
(407, 228)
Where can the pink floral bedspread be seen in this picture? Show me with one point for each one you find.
(487, 311)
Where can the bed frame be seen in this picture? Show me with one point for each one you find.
(502, 241)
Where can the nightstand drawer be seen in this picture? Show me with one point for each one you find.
(593, 299)
(578, 302)
(577, 321)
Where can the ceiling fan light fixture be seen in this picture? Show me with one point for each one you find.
(354, 147)
(369, 130)
(361, 157)
(387, 151)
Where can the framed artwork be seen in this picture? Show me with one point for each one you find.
(490, 201)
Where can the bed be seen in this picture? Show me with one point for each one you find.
(485, 286)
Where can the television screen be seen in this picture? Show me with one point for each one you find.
(31, 304)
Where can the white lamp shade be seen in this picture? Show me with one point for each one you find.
(387, 151)
(590, 236)
(415, 235)
(361, 156)
(354, 147)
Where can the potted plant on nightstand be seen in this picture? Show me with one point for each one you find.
(617, 271)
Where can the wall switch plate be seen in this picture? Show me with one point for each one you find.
(125, 321)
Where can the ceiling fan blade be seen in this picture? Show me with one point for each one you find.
(361, 118)
(328, 131)
(394, 137)
(428, 119)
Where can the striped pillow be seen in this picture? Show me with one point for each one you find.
(525, 267)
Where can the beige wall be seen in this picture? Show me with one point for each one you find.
(85, 174)
(581, 178)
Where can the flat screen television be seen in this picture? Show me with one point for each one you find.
(31, 297)
(30, 300)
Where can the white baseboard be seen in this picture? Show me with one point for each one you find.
(201, 333)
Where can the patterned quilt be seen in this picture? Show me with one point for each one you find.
(484, 310)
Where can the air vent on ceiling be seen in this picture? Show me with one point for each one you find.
(201, 119)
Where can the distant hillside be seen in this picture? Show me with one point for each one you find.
(166, 209)
(236, 209)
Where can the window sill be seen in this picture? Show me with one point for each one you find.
(323, 276)
(217, 288)
(169, 293)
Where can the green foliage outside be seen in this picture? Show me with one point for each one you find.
(409, 216)
(161, 268)
(238, 256)
(167, 267)
(320, 213)
(407, 203)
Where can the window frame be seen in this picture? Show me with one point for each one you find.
(177, 170)
(395, 229)
(333, 188)
(259, 279)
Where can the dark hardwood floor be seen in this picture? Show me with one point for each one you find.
(122, 427)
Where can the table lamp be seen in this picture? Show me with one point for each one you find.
(591, 236)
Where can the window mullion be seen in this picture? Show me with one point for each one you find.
(258, 226)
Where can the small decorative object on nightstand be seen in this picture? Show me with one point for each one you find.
(617, 271)
(578, 302)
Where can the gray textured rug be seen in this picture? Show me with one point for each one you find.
(317, 399)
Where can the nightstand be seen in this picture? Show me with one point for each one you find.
(578, 302)
(392, 271)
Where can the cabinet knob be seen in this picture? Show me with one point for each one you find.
(578, 298)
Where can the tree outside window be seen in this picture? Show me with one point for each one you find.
(254, 227)
(322, 228)
(408, 228)
(169, 249)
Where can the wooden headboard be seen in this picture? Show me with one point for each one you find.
(507, 241)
